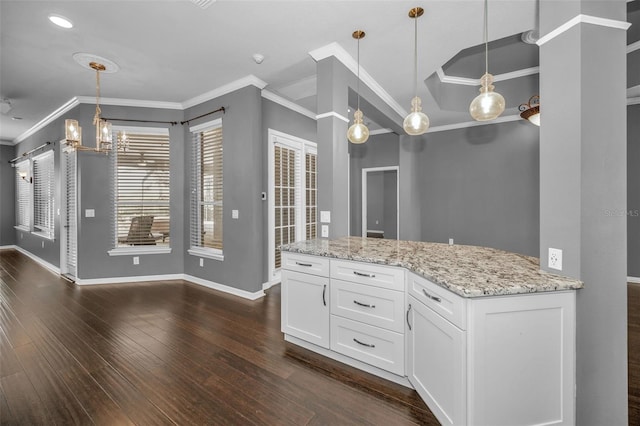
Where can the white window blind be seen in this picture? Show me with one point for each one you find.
(43, 194)
(23, 194)
(207, 187)
(142, 188)
(311, 185)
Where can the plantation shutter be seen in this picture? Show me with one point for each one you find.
(70, 227)
(207, 187)
(286, 195)
(43, 196)
(23, 195)
(311, 196)
(142, 189)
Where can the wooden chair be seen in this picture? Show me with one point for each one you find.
(139, 232)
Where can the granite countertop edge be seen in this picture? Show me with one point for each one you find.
(553, 282)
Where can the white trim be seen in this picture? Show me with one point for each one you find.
(207, 252)
(380, 132)
(213, 124)
(9, 247)
(364, 196)
(135, 251)
(464, 81)
(269, 284)
(250, 80)
(51, 268)
(349, 361)
(287, 103)
(464, 125)
(633, 47)
(7, 143)
(137, 103)
(334, 49)
(70, 104)
(582, 19)
(634, 280)
(633, 101)
(224, 288)
(332, 114)
(123, 280)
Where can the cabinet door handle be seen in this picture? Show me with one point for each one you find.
(408, 323)
(363, 344)
(324, 292)
(360, 274)
(304, 264)
(364, 304)
(434, 298)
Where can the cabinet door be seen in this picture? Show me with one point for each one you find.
(305, 307)
(437, 362)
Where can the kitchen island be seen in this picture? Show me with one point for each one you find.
(483, 335)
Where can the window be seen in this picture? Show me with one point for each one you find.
(207, 190)
(23, 195)
(43, 195)
(142, 189)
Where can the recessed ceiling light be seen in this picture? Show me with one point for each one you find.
(61, 21)
(16, 118)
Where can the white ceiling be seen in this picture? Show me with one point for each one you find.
(173, 51)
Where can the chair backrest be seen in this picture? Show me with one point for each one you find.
(140, 231)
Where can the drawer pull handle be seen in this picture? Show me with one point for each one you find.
(434, 298)
(360, 274)
(304, 264)
(408, 323)
(324, 292)
(363, 344)
(364, 304)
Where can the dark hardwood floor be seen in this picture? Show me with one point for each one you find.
(169, 352)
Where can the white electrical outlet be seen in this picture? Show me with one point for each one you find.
(201, 262)
(555, 259)
(325, 231)
(136, 260)
(450, 241)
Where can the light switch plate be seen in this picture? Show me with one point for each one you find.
(136, 260)
(201, 262)
(325, 231)
(325, 216)
(89, 213)
(234, 214)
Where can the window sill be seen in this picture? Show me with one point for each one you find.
(44, 235)
(128, 251)
(208, 253)
(22, 228)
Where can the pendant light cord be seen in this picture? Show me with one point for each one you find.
(96, 119)
(486, 37)
(359, 37)
(415, 54)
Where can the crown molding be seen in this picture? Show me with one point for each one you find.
(250, 80)
(582, 19)
(337, 51)
(332, 114)
(287, 103)
(464, 81)
(466, 124)
(70, 104)
(633, 101)
(130, 102)
(633, 47)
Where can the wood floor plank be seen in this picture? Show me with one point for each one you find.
(25, 406)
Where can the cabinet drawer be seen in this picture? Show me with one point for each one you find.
(315, 265)
(373, 345)
(450, 306)
(372, 305)
(365, 273)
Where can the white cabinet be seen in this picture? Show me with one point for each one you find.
(305, 306)
(437, 362)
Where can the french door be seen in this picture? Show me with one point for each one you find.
(293, 202)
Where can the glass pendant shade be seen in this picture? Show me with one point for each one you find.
(104, 134)
(488, 105)
(417, 122)
(72, 131)
(358, 133)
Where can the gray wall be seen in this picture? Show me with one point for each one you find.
(379, 151)
(633, 190)
(277, 117)
(391, 204)
(7, 196)
(243, 238)
(480, 186)
(375, 201)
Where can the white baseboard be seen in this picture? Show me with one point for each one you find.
(635, 280)
(8, 247)
(269, 284)
(52, 268)
(122, 280)
(224, 288)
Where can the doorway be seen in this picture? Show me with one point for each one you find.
(380, 202)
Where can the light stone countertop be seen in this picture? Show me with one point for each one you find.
(468, 271)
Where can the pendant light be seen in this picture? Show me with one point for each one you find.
(531, 110)
(358, 132)
(488, 105)
(417, 122)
